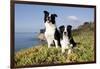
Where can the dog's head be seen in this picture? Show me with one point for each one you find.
(63, 31)
(49, 18)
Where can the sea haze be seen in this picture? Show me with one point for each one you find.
(25, 40)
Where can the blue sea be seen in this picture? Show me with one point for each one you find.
(25, 40)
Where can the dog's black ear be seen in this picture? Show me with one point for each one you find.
(46, 12)
(54, 15)
(61, 28)
(69, 27)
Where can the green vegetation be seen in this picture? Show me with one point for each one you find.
(83, 52)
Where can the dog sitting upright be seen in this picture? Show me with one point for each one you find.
(66, 39)
(51, 32)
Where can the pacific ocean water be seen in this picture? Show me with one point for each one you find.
(25, 40)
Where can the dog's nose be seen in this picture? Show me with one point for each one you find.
(64, 33)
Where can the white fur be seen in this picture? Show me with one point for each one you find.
(64, 43)
(49, 33)
(69, 51)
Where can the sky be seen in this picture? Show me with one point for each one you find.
(30, 18)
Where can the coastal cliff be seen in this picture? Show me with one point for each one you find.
(41, 35)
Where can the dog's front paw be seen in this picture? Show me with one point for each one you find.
(49, 46)
(69, 51)
(57, 46)
(63, 50)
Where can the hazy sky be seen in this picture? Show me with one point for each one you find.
(29, 18)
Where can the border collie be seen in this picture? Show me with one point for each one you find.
(66, 38)
(51, 32)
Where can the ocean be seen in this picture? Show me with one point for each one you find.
(25, 40)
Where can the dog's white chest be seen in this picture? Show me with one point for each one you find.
(50, 29)
(65, 42)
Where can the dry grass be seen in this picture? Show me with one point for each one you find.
(83, 52)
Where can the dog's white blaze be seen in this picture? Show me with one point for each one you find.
(65, 30)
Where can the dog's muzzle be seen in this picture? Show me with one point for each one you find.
(65, 33)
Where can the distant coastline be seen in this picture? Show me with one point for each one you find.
(26, 40)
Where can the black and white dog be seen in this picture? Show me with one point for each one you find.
(66, 38)
(51, 32)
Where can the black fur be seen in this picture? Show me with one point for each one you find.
(61, 28)
(69, 27)
(46, 14)
(57, 36)
(53, 18)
